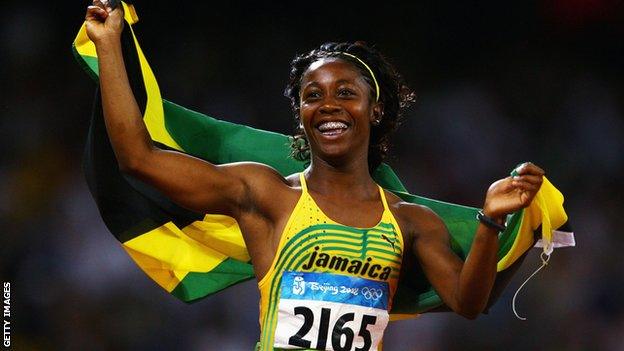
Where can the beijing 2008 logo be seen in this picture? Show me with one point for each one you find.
(372, 293)
(298, 286)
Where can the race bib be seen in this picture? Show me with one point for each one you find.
(331, 312)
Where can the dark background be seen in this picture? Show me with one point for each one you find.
(497, 84)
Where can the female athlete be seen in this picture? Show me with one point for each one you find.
(328, 245)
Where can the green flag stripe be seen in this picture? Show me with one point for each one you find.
(88, 63)
(200, 284)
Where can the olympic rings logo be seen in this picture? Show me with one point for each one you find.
(372, 293)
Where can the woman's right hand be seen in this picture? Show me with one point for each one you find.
(103, 23)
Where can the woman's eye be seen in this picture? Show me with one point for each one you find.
(312, 95)
(345, 92)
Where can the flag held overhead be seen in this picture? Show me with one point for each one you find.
(193, 255)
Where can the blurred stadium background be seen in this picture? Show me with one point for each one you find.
(497, 84)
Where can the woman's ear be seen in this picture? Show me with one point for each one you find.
(377, 114)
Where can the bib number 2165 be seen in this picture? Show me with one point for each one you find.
(339, 336)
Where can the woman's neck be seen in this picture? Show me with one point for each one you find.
(348, 179)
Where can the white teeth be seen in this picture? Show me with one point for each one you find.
(332, 125)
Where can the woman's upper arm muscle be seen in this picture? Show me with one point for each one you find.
(201, 186)
(431, 246)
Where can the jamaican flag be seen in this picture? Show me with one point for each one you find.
(193, 255)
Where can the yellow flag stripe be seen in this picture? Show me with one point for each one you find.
(167, 254)
(545, 210)
(154, 116)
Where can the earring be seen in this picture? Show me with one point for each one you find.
(376, 122)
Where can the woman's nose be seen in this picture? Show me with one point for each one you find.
(330, 106)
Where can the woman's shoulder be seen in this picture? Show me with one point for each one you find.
(260, 175)
(265, 184)
(412, 217)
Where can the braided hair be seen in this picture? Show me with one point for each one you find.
(394, 95)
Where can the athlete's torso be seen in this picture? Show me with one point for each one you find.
(330, 286)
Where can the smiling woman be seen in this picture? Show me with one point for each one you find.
(385, 86)
(328, 245)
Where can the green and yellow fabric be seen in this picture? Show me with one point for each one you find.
(193, 255)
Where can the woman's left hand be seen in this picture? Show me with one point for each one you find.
(511, 194)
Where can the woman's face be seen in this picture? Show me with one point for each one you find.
(336, 109)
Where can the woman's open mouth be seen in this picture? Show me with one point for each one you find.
(332, 128)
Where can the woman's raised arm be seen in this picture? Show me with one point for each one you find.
(188, 181)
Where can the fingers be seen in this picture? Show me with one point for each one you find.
(96, 13)
(529, 168)
(529, 178)
(103, 4)
(535, 179)
(531, 187)
(100, 9)
(108, 15)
